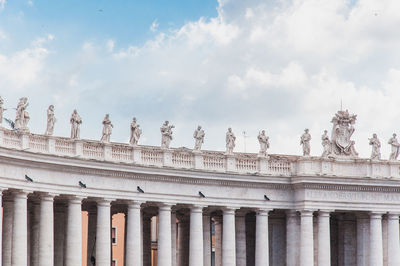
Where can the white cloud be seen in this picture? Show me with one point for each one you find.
(110, 45)
(30, 3)
(154, 26)
(2, 4)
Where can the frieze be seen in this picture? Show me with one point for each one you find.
(351, 196)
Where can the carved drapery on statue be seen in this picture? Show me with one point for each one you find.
(342, 130)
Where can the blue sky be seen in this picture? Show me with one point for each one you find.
(278, 65)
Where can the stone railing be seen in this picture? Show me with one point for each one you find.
(183, 158)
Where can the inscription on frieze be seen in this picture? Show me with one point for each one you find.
(352, 196)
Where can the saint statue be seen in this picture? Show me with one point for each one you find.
(76, 121)
(166, 134)
(264, 143)
(326, 144)
(230, 141)
(395, 147)
(305, 141)
(2, 109)
(51, 120)
(342, 130)
(22, 116)
(198, 135)
(135, 132)
(376, 147)
(107, 129)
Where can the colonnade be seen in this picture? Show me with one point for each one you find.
(308, 234)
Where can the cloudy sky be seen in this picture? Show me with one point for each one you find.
(281, 65)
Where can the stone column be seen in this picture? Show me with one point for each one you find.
(376, 246)
(228, 238)
(324, 238)
(73, 246)
(19, 252)
(393, 240)
(146, 225)
(292, 238)
(196, 236)
(173, 238)
(207, 240)
(218, 240)
(8, 213)
(164, 236)
(59, 233)
(34, 233)
(362, 239)
(1, 223)
(306, 238)
(91, 240)
(183, 240)
(46, 233)
(262, 247)
(240, 224)
(133, 245)
(103, 233)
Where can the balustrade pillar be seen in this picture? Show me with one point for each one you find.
(228, 238)
(196, 237)
(164, 236)
(376, 245)
(73, 247)
(306, 238)
(393, 240)
(133, 239)
(46, 233)
(103, 233)
(262, 247)
(324, 239)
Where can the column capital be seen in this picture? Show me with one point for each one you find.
(165, 207)
(325, 213)
(21, 194)
(291, 213)
(263, 212)
(75, 199)
(197, 208)
(393, 215)
(134, 204)
(376, 215)
(306, 212)
(229, 210)
(105, 202)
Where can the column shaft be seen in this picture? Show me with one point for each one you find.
(218, 240)
(8, 210)
(164, 236)
(376, 247)
(34, 233)
(306, 238)
(240, 224)
(183, 240)
(196, 237)
(173, 238)
(46, 233)
(133, 243)
(91, 239)
(292, 238)
(393, 240)
(19, 252)
(73, 247)
(146, 225)
(103, 233)
(207, 240)
(262, 247)
(324, 239)
(228, 238)
(59, 234)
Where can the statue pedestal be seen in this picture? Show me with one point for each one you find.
(230, 163)
(137, 154)
(262, 164)
(167, 157)
(78, 148)
(24, 140)
(107, 152)
(198, 160)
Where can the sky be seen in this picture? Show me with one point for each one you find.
(282, 66)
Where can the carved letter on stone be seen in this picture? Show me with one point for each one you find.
(166, 134)
(135, 132)
(264, 143)
(305, 142)
(230, 141)
(76, 121)
(51, 120)
(198, 135)
(107, 129)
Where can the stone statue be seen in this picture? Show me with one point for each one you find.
(166, 134)
(198, 135)
(22, 117)
(264, 143)
(376, 147)
(342, 130)
(2, 109)
(326, 144)
(230, 141)
(305, 141)
(76, 121)
(135, 132)
(395, 147)
(51, 120)
(107, 129)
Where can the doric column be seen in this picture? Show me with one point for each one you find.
(324, 239)
(362, 239)
(73, 246)
(292, 238)
(306, 238)
(60, 216)
(228, 238)
(91, 239)
(262, 248)
(183, 240)
(103, 233)
(207, 239)
(33, 232)
(393, 240)
(196, 236)
(240, 224)
(173, 238)
(164, 235)
(218, 240)
(133, 240)
(19, 252)
(8, 213)
(376, 247)
(46, 233)
(146, 236)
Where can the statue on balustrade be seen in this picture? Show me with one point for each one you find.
(230, 141)
(22, 116)
(305, 142)
(51, 120)
(198, 135)
(376, 147)
(342, 130)
(326, 144)
(76, 121)
(135, 132)
(166, 134)
(395, 147)
(2, 109)
(107, 129)
(264, 143)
